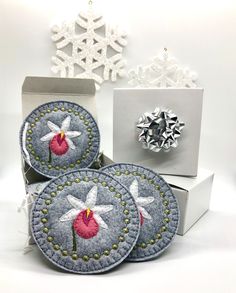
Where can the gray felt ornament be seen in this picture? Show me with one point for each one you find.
(85, 222)
(158, 208)
(59, 137)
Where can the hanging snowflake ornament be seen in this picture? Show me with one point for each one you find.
(164, 71)
(97, 55)
(159, 130)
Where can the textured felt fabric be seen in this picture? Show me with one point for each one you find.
(63, 204)
(59, 137)
(158, 208)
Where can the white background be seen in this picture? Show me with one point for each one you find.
(201, 34)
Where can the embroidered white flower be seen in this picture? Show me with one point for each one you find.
(61, 135)
(141, 201)
(88, 208)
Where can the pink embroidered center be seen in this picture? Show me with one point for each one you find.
(85, 225)
(58, 144)
(141, 218)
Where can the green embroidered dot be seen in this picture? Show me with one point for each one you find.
(57, 168)
(90, 136)
(89, 143)
(85, 258)
(49, 166)
(118, 195)
(62, 109)
(104, 183)
(84, 157)
(44, 220)
(111, 188)
(143, 245)
(123, 203)
(95, 180)
(50, 238)
(163, 228)
(56, 246)
(126, 212)
(165, 202)
(143, 176)
(42, 114)
(32, 152)
(151, 181)
(78, 161)
(86, 123)
(69, 110)
(81, 117)
(167, 211)
(30, 146)
(55, 109)
(135, 173)
(96, 256)
(72, 165)
(121, 238)
(68, 183)
(45, 230)
(49, 110)
(167, 220)
(36, 119)
(53, 194)
(29, 138)
(44, 211)
(127, 172)
(60, 187)
(158, 187)
(106, 252)
(125, 230)
(114, 246)
(32, 124)
(37, 158)
(158, 236)
(76, 113)
(86, 179)
(74, 256)
(118, 173)
(77, 180)
(162, 194)
(89, 129)
(29, 131)
(42, 162)
(152, 241)
(87, 151)
(48, 201)
(127, 221)
(64, 252)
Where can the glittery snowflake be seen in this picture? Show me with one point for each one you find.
(95, 49)
(163, 71)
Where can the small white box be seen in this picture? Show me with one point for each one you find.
(193, 196)
(130, 104)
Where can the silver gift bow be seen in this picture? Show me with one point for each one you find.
(159, 130)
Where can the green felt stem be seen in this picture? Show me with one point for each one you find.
(74, 240)
(50, 155)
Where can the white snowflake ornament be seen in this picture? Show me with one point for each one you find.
(164, 71)
(92, 50)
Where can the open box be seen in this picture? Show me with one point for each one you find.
(129, 104)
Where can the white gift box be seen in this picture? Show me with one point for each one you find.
(129, 104)
(193, 196)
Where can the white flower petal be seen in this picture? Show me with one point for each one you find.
(102, 209)
(70, 215)
(47, 137)
(143, 201)
(72, 134)
(91, 198)
(100, 221)
(70, 143)
(53, 127)
(76, 203)
(134, 188)
(66, 124)
(144, 213)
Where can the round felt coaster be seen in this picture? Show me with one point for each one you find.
(158, 208)
(85, 222)
(59, 137)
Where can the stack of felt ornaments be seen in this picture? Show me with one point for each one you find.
(87, 220)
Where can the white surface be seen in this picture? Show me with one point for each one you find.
(200, 34)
